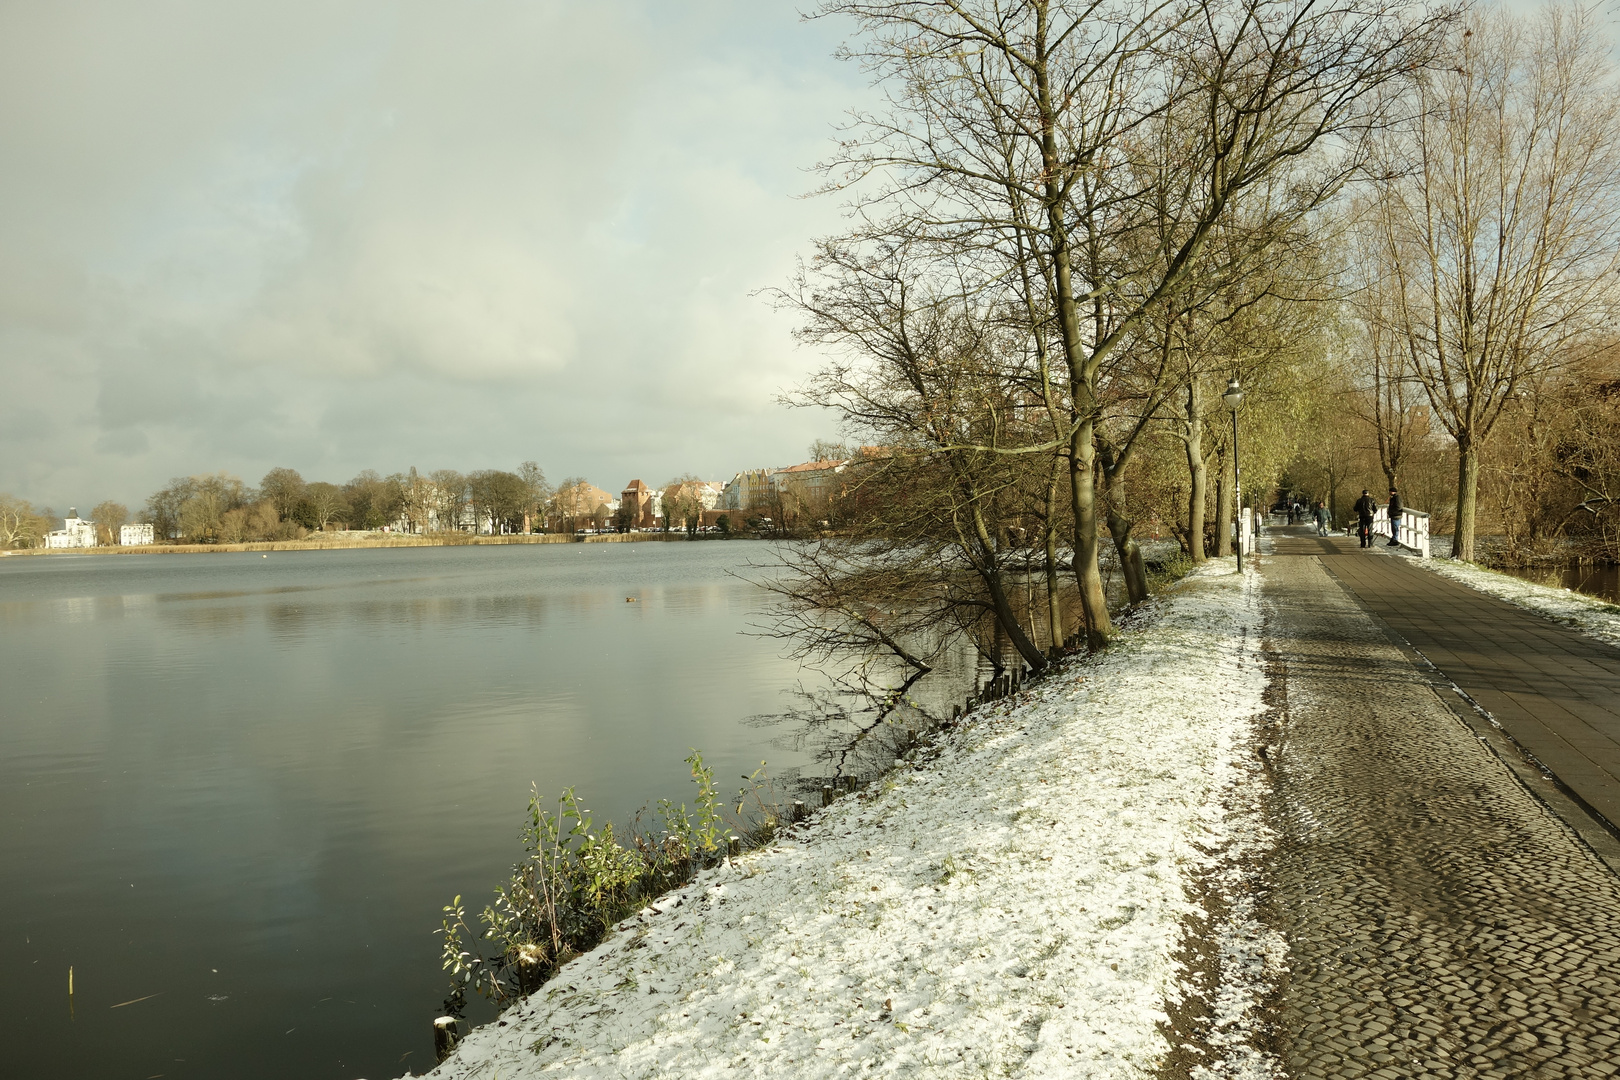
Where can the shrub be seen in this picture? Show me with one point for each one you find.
(575, 881)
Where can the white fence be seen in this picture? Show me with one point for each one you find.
(1411, 531)
(1248, 529)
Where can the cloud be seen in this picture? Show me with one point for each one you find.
(376, 235)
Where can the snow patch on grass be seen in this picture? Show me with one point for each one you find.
(1009, 904)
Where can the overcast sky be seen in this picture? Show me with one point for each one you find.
(348, 235)
(340, 236)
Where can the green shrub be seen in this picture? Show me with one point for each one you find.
(575, 881)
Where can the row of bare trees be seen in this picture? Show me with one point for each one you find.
(1486, 262)
(1073, 222)
(220, 508)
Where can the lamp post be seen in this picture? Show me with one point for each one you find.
(1233, 398)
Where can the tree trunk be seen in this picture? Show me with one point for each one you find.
(1195, 468)
(1083, 493)
(1223, 508)
(1462, 536)
(1006, 617)
(1130, 554)
(1054, 605)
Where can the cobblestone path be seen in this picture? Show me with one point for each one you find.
(1441, 921)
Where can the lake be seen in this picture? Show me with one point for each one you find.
(236, 790)
(1594, 579)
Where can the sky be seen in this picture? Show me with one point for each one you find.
(365, 235)
(376, 235)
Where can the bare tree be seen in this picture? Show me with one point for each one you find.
(683, 504)
(323, 504)
(945, 386)
(416, 499)
(21, 525)
(572, 504)
(163, 506)
(109, 517)
(285, 490)
(500, 498)
(449, 497)
(1049, 100)
(373, 501)
(535, 492)
(211, 497)
(1496, 220)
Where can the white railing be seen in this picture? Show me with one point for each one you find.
(1411, 531)
(1247, 529)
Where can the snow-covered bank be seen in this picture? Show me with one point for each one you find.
(1012, 905)
(1588, 614)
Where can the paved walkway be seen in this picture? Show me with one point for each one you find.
(1442, 920)
(1555, 691)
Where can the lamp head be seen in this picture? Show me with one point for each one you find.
(1234, 394)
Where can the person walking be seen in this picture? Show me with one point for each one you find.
(1322, 523)
(1394, 517)
(1365, 509)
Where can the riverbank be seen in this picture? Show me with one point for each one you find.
(1015, 897)
(343, 541)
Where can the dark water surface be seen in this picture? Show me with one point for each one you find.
(1593, 579)
(241, 788)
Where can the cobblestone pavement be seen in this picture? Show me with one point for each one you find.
(1441, 921)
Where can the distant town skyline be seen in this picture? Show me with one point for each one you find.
(335, 239)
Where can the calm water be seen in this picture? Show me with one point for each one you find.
(1593, 579)
(241, 788)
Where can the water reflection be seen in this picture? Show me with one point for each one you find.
(1593, 579)
(248, 785)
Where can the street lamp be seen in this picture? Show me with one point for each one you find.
(1233, 398)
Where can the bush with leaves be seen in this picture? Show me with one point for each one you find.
(575, 881)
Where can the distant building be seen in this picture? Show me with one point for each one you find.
(135, 535)
(814, 482)
(645, 505)
(748, 490)
(74, 533)
(579, 506)
(808, 490)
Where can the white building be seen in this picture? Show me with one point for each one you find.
(75, 533)
(135, 535)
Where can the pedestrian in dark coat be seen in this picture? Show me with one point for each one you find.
(1365, 509)
(1394, 517)
(1322, 522)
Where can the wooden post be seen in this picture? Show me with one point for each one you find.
(733, 846)
(826, 794)
(798, 810)
(444, 1036)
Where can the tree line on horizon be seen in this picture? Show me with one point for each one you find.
(219, 507)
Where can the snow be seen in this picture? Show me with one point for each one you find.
(1010, 902)
(1588, 614)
